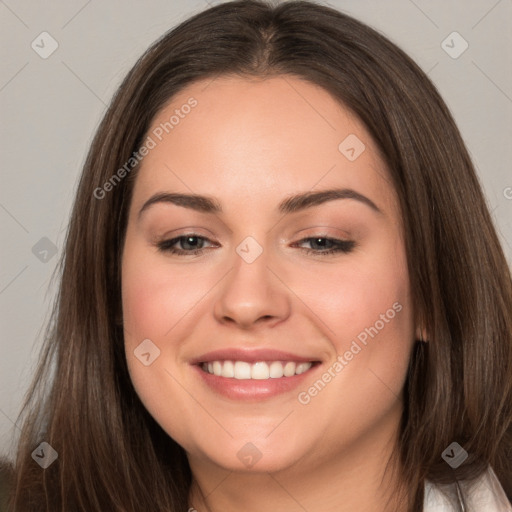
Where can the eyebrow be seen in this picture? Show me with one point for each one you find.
(290, 205)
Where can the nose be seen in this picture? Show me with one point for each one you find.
(252, 295)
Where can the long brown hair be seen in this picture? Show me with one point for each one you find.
(112, 455)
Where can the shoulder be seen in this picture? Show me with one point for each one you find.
(484, 493)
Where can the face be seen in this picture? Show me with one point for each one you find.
(268, 321)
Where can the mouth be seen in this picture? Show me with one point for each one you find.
(253, 375)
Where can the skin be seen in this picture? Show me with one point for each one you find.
(250, 144)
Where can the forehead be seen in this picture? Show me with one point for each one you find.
(259, 140)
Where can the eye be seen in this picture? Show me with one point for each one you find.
(191, 244)
(322, 245)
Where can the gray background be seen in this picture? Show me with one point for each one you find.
(51, 107)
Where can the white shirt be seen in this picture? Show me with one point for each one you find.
(485, 494)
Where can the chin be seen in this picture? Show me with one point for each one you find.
(246, 456)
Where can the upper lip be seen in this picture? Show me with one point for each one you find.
(250, 356)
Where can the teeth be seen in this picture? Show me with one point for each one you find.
(289, 369)
(276, 370)
(301, 368)
(228, 369)
(242, 370)
(261, 370)
(217, 368)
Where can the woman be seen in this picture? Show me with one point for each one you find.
(281, 288)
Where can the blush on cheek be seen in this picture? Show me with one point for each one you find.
(357, 305)
(146, 314)
(155, 301)
(141, 295)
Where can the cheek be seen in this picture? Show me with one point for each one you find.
(154, 298)
(150, 310)
(350, 297)
(144, 312)
(365, 310)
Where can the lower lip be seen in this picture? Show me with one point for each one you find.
(253, 389)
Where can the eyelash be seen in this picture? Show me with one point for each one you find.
(340, 246)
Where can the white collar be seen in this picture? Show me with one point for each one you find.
(483, 494)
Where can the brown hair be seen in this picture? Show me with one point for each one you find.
(112, 455)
